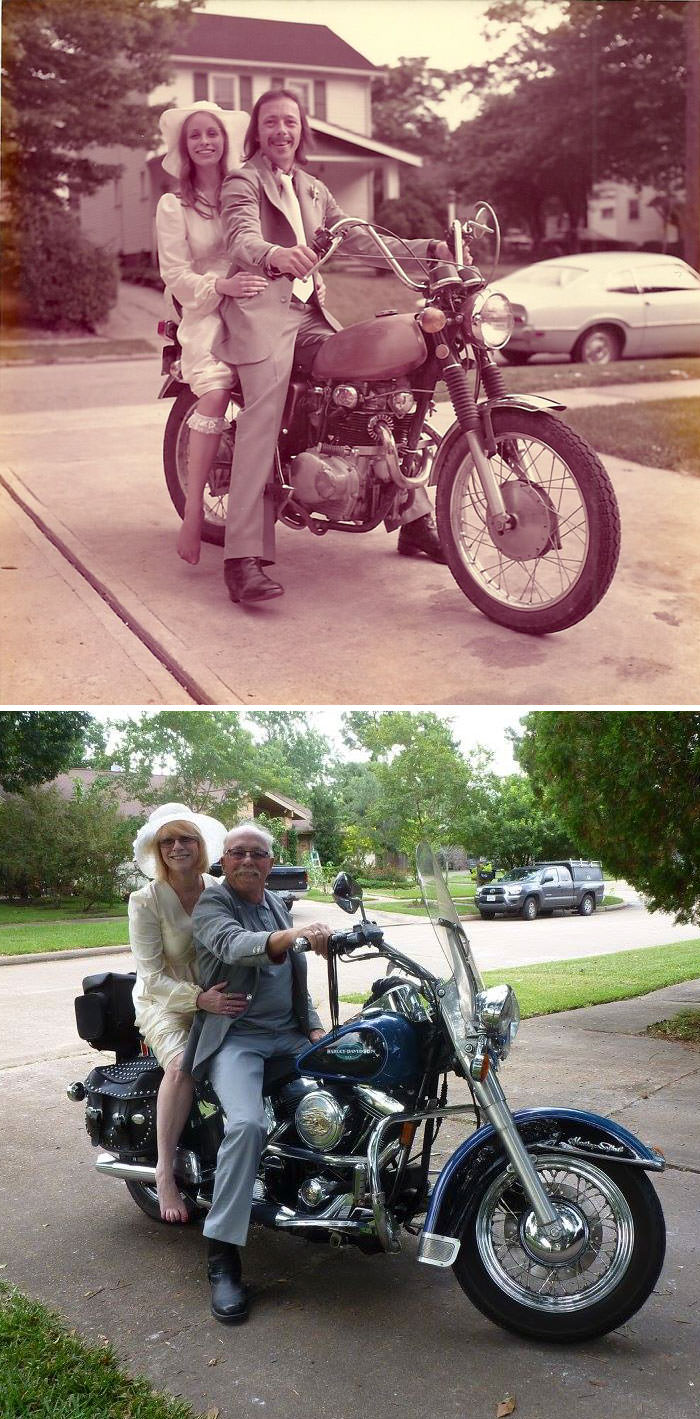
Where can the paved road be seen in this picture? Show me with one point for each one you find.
(47, 988)
(83, 453)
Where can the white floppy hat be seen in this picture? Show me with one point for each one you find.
(235, 123)
(211, 830)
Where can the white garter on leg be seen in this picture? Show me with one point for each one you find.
(206, 423)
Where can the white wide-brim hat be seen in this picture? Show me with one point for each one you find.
(212, 831)
(235, 121)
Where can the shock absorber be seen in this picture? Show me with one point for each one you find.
(461, 394)
(493, 380)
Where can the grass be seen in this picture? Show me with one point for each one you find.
(15, 913)
(40, 349)
(49, 1373)
(531, 378)
(658, 433)
(62, 936)
(551, 986)
(685, 1026)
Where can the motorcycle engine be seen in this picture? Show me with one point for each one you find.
(331, 484)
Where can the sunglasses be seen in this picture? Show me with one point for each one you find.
(240, 852)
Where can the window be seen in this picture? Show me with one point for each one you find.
(143, 185)
(277, 81)
(623, 284)
(300, 91)
(633, 209)
(668, 277)
(117, 192)
(245, 90)
(607, 214)
(223, 92)
(320, 99)
(201, 86)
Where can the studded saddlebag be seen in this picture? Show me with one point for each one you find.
(121, 1105)
(104, 1013)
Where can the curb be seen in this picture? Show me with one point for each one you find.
(65, 955)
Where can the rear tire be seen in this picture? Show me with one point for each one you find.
(556, 561)
(175, 455)
(600, 346)
(587, 905)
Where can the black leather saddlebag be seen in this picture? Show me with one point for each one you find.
(104, 1013)
(121, 1105)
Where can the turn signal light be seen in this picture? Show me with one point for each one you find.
(432, 319)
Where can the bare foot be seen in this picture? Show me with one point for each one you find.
(173, 1207)
(189, 538)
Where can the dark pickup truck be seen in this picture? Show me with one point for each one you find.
(287, 881)
(543, 888)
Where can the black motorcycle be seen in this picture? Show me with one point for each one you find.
(526, 513)
(546, 1215)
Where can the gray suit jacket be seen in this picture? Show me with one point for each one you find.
(228, 950)
(254, 222)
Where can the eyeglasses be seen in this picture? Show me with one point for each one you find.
(181, 838)
(240, 852)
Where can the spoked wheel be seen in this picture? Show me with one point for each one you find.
(176, 462)
(589, 1282)
(556, 560)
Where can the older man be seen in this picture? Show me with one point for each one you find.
(271, 208)
(242, 928)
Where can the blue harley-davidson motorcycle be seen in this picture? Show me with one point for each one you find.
(546, 1215)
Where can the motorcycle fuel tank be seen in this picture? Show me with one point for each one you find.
(384, 1053)
(381, 348)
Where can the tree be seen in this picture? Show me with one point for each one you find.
(520, 830)
(52, 847)
(598, 96)
(36, 745)
(292, 755)
(77, 77)
(210, 758)
(403, 107)
(325, 813)
(627, 786)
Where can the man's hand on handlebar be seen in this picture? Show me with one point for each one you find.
(316, 933)
(294, 260)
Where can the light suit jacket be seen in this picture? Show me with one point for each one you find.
(254, 222)
(227, 950)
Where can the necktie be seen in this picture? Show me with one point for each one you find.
(301, 289)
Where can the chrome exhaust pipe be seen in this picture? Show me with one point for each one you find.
(186, 1168)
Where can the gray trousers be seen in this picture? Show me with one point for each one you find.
(236, 1072)
(250, 518)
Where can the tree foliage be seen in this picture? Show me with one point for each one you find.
(36, 745)
(76, 77)
(210, 758)
(292, 754)
(598, 96)
(52, 847)
(627, 786)
(403, 107)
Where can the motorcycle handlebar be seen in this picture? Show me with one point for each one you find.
(363, 934)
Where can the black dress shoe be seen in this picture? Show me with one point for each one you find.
(420, 537)
(229, 1297)
(246, 580)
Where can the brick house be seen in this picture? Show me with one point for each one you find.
(231, 61)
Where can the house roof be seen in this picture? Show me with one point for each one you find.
(344, 138)
(279, 42)
(65, 784)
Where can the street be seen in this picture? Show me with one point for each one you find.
(358, 624)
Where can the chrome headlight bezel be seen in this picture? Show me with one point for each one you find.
(490, 321)
(498, 1017)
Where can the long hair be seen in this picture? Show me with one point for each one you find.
(188, 193)
(178, 826)
(251, 142)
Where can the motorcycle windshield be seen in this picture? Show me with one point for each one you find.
(449, 929)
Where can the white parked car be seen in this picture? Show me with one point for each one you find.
(603, 306)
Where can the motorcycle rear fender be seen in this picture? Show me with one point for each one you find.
(571, 1132)
(533, 403)
(171, 387)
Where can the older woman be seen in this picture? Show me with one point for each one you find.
(174, 848)
(203, 142)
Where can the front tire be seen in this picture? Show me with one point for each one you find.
(530, 909)
(175, 464)
(603, 1281)
(552, 567)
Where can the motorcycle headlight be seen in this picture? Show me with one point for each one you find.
(498, 1015)
(491, 319)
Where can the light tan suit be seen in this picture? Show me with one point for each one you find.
(260, 334)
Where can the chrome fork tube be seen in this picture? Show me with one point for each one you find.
(487, 478)
(492, 1102)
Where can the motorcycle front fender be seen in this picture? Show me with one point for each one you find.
(533, 403)
(571, 1132)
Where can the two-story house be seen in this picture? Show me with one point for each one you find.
(231, 61)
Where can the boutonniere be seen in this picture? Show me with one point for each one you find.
(313, 192)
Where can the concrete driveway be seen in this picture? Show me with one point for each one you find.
(358, 624)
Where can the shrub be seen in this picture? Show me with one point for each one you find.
(62, 280)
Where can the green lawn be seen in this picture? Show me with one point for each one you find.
(62, 936)
(48, 1373)
(685, 1026)
(15, 913)
(662, 433)
(592, 980)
